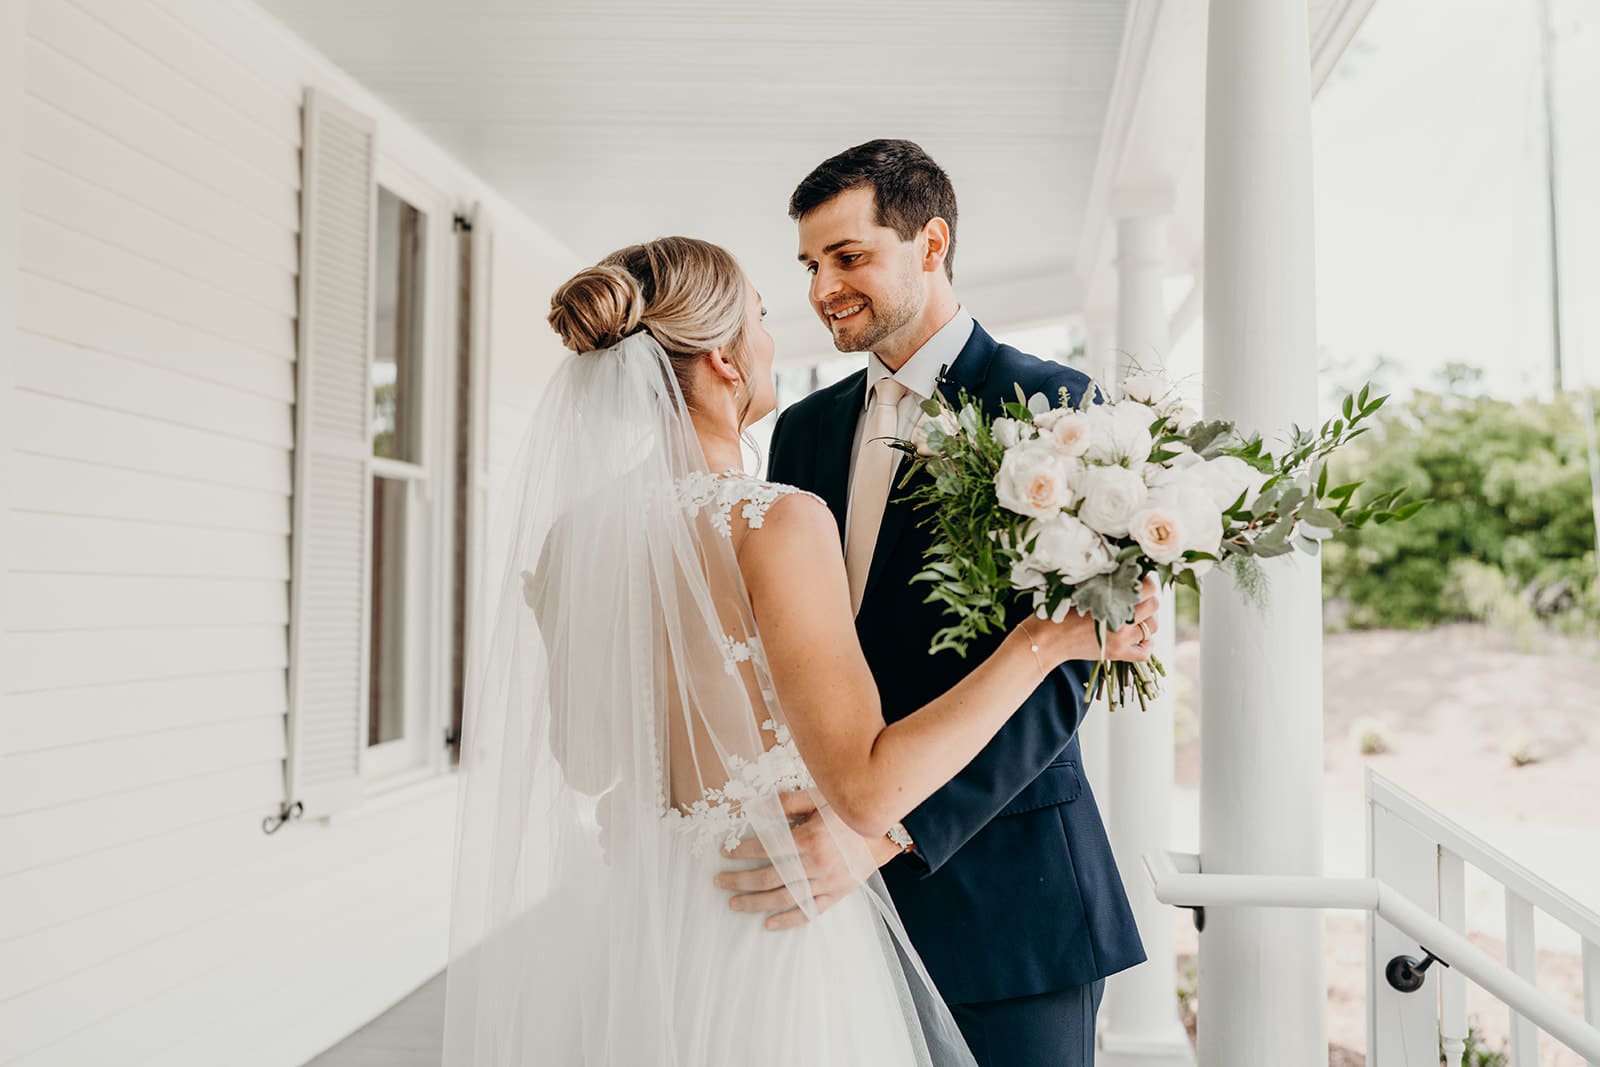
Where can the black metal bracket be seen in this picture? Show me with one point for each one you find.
(1407, 973)
(273, 823)
(1199, 918)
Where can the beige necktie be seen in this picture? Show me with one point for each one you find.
(869, 490)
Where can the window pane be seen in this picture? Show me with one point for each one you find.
(397, 351)
(386, 720)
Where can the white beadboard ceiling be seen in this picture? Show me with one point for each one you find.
(612, 121)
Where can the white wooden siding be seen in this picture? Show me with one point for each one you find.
(148, 434)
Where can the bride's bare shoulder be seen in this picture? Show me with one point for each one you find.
(797, 533)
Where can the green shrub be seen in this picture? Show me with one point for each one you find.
(1509, 536)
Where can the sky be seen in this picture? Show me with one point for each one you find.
(1429, 179)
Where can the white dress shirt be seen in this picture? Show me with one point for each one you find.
(920, 376)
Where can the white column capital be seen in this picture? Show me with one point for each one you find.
(1141, 244)
(1142, 201)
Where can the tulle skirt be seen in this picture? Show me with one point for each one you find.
(825, 994)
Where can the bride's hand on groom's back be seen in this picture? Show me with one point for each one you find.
(831, 874)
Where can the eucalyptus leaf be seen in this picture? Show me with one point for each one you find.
(1110, 598)
(1327, 520)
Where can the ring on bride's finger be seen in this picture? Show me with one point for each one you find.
(1144, 629)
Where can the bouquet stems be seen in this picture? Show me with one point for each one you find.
(1122, 682)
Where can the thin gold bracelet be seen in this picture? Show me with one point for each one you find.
(1033, 646)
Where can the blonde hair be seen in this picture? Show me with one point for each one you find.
(690, 295)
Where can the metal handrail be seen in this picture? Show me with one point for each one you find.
(1177, 880)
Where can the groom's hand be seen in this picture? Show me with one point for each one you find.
(832, 876)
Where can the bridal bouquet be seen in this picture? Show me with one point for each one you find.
(1074, 506)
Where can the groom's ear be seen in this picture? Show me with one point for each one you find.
(937, 235)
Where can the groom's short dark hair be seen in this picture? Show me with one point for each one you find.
(908, 188)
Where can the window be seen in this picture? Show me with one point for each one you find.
(388, 471)
(399, 482)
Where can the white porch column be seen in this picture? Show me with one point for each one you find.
(1139, 1022)
(1262, 981)
(1094, 742)
(1100, 343)
(12, 25)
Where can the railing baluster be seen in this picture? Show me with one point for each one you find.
(1452, 985)
(1591, 986)
(1401, 1027)
(1522, 959)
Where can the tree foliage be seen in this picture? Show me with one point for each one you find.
(1509, 534)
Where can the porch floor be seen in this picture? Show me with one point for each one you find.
(410, 1034)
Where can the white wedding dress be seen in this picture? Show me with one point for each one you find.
(820, 994)
(621, 727)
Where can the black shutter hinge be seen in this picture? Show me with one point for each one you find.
(273, 823)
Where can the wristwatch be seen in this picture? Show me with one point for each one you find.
(901, 836)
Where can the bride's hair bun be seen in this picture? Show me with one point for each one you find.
(597, 308)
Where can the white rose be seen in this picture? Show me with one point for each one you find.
(1047, 419)
(1111, 495)
(1024, 575)
(1225, 477)
(1034, 481)
(1180, 417)
(1174, 470)
(1159, 531)
(1152, 389)
(944, 422)
(1067, 547)
(1071, 434)
(1008, 432)
(1120, 433)
(1198, 515)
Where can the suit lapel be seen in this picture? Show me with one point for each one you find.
(835, 439)
(968, 372)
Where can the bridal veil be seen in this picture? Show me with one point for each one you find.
(620, 686)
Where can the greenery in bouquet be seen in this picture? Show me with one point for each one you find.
(1068, 508)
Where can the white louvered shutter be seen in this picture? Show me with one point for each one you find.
(331, 575)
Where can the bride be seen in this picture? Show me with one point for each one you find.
(672, 653)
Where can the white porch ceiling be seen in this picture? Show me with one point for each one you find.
(614, 121)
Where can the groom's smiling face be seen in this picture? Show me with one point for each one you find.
(866, 283)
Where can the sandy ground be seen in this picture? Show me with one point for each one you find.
(1449, 705)
(1448, 702)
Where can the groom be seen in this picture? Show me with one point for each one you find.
(1007, 886)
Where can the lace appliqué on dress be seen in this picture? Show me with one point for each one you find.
(718, 818)
(735, 652)
(722, 492)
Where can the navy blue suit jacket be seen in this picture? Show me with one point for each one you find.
(1012, 890)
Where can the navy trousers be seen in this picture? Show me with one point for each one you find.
(1048, 1030)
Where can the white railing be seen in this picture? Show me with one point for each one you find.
(1416, 897)
(1426, 856)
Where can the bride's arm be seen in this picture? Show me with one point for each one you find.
(873, 773)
